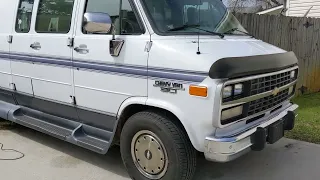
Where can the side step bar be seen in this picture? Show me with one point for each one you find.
(94, 139)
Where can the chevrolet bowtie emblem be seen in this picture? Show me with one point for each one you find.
(275, 91)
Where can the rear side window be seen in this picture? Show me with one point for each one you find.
(54, 16)
(24, 15)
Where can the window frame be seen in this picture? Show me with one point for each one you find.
(16, 17)
(48, 32)
(135, 11)
(137, 15)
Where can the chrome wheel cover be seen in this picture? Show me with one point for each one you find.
(149, 154)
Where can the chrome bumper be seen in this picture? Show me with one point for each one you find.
(229, 148)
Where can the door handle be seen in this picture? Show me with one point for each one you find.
(35, 46)
(82, 49)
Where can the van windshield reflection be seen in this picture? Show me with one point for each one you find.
(209, 15)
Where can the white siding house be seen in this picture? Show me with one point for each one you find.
(296, 8)
(302, 7)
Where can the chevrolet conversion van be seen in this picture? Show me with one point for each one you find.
(163, 79)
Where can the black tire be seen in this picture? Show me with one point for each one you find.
(182, 156)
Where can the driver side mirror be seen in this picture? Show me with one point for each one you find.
(101, 23)
(97, 23)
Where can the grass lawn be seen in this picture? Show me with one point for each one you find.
(307, 126)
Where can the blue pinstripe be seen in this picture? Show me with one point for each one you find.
(105, 67)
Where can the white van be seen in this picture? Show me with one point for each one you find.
(164, 79)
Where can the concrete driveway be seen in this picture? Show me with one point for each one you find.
(47, 158)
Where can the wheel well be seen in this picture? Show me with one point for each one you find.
(135, 108)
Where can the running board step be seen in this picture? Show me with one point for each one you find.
(46, 124)
(53, 130)
(83, 135)
(93, 138)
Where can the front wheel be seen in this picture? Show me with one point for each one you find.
(154, 147)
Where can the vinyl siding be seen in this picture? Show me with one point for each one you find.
(300, 7)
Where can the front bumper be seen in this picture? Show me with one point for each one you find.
(229, 148)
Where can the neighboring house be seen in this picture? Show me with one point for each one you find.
(251, 6)
(310, 8)
(298, 8)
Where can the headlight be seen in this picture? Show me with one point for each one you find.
(227, 91)
(232, 90)
(292, 74)
(230, 113)
(238, 89)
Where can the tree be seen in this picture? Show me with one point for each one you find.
(56, 7)
(252, 6)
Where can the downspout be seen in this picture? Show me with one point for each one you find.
(286, 4)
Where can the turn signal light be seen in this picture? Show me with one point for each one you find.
(198, 91)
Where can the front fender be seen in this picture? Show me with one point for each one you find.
(166, 106)
(180, 115)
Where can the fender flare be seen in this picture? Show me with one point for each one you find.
(131, 101)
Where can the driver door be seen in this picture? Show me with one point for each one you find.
(101, 81)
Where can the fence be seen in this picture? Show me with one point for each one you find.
(297, 34)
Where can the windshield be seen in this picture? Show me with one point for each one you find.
(209, 15)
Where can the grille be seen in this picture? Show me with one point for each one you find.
(267, 102)
(268, 83)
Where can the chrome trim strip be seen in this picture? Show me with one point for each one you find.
(265, 111)
(259, 76)
(251, 131)
(228, 148)
(284, 104)
(255, 97)
(216, 113)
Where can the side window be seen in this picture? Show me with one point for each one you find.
(24, 15)
(129, 23)
(54, 16)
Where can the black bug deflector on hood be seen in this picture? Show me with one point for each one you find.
(236, 67)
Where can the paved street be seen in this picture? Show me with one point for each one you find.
(47, 158)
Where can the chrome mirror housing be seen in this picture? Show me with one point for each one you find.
(115, 47)
(97, 23)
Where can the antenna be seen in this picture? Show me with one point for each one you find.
(198, 52)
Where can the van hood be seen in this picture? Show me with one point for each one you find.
(181, 52)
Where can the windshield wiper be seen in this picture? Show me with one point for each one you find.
(237, 29)
(183, 27)
(195, 26)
